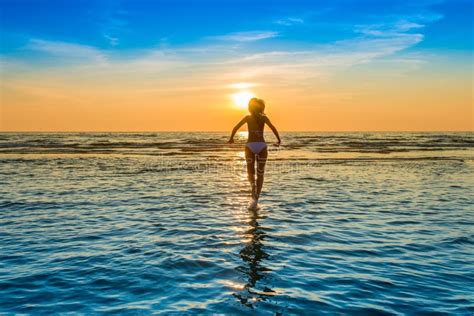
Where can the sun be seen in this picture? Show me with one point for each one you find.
(241, 99)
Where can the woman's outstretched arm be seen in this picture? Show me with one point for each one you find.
(236, 128)
(274, 130)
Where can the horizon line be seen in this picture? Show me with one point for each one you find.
(228, 131)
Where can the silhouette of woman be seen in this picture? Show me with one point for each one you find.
(256, 148)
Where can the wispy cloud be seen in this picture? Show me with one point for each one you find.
(397, 25)
(384, 30)
(68, 51)
(304, 18)
(250, 36)
(289, 21)
(115, 24)
(242, 85)
(113, 40)
(404, 26)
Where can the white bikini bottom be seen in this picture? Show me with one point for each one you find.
(256, 147)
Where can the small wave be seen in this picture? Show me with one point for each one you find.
(461, 240)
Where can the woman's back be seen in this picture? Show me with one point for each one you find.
(255, 128)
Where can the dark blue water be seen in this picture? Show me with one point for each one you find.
(363, 224)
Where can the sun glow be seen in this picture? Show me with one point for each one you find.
(241, 99)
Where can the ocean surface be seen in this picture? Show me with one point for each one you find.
(142, 223)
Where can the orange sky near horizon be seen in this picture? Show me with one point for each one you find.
(367, 101)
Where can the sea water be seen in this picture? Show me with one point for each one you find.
(140, 223)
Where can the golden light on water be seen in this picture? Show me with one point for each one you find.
(242, 98)
(243, 135)
(232, 285)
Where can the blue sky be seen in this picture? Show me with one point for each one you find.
(125, 25)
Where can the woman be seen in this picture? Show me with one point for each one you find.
(256, 148)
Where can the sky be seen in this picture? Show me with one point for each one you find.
(334, 65)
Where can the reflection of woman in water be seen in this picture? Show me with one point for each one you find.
(253, 255)
(256, 148)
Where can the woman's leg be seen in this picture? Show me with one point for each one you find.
(250, 158)
(261, 161)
